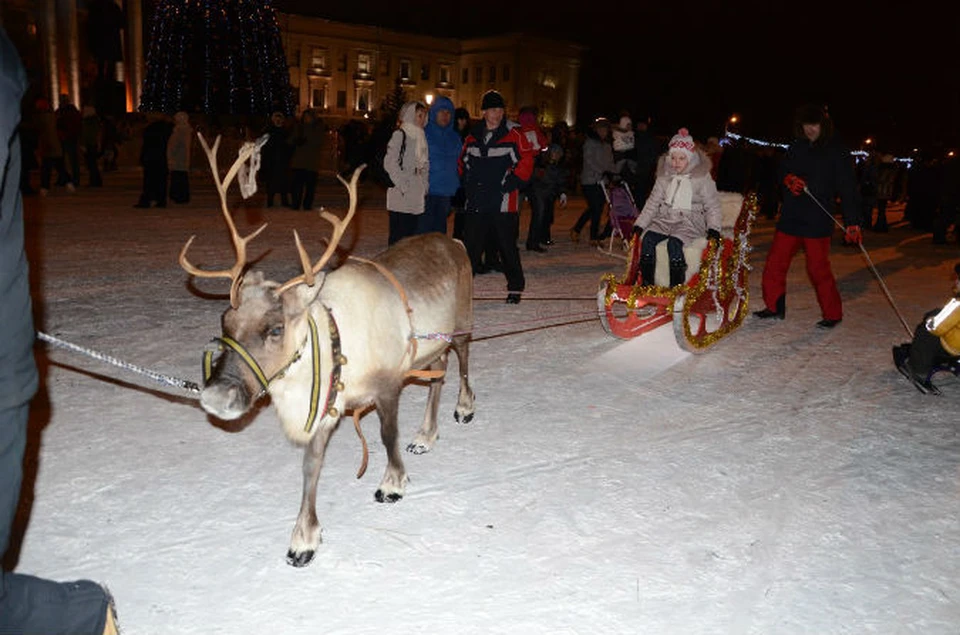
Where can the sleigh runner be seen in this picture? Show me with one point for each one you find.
(708, 306)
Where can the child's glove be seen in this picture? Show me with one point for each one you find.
(636, 231)
(713, 234)
(794, 183)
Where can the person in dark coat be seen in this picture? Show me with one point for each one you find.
(28, 604)
(816, 163)
(153, 159)
(90, 134)
(275, 164)
(495, 163)
(69, 123)
(307, 142)
(549, 183)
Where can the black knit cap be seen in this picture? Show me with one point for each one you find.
(492, 99)
(810, 113)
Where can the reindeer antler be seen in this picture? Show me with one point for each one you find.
(339, 227)
(239, 242)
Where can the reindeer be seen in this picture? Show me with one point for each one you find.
(328, 342)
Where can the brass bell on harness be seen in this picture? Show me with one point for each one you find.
(333, 412)
(342, 360)
(338, 386)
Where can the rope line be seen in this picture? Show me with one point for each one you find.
(167, 380)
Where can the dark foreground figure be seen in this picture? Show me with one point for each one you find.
(28, 605)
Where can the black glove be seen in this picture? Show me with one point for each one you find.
(713, 234)
(511, 182)
(636, 231)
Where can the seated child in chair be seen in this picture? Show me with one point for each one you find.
(935, 345)
(683, 206)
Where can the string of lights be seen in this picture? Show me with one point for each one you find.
(216, 57)
(860, 154)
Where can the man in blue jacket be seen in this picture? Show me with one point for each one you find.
(27, 604)
(817, 163)
(444, 144)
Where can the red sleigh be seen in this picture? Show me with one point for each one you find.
(708, 306)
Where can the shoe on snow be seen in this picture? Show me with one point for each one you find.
(827, 324)
(903, 365)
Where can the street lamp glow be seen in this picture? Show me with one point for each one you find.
(868, 141)
(429, 98)
(734, 119)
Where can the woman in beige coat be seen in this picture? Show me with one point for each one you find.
(408, 164)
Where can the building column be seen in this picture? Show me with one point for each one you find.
(68, 14)
(133, 67)
(50, 51)
(573, 85)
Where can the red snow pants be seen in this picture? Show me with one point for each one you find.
(817, 251)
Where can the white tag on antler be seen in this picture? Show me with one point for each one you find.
(247, 174)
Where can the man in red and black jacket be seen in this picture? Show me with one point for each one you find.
(494, 163)
(815, 169)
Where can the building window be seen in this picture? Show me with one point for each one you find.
(318, 59)
(341, 99)
(506, 72)
(425, 72)
(466, 76)
(444, 74)
(364, 98)
(493, 74)
(318, 96)
(478, 75)
(405, 69)
(363, 63)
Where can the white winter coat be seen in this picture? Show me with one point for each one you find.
(411, 181)
(705, 212)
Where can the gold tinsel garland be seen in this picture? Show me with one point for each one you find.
(721, 281)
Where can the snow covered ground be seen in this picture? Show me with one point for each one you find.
(789, 480)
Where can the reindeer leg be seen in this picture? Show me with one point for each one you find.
(395, 477)
(465, 406)
(427, 435)
(306, 533)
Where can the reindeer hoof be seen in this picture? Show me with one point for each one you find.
(467, 418)
(392, 497)
(301, 559)
(418, 448)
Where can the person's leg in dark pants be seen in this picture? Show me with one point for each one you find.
(297, 181)
(92, 158)
(595, 201)
(309, 188)
(434, 217)
(507, 230)
(535, 233)
(401, 226)
(548, 221)
(476, 231)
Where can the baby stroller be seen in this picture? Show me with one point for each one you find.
(623, 212)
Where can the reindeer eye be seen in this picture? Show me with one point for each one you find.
(276, 331)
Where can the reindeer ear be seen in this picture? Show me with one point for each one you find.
(297, 298)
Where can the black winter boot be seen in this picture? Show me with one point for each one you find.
(779, 313)
(678, 273)
(647, 269)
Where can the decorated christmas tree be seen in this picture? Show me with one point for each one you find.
(216, 57)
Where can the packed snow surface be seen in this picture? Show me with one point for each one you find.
(788, 480)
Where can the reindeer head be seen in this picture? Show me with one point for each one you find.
(264, 330)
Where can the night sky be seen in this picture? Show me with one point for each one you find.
(889, 74)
